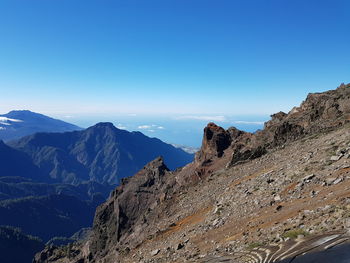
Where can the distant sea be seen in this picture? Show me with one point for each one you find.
(186, 130)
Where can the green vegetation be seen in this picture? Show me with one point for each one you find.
(293, 234)
(255, 245)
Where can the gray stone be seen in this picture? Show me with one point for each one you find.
(335, 157)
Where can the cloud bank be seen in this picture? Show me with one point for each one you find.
(202, 118)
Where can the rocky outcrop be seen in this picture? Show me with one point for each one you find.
(122, 222)
(215, 141)
(123, 218)
(320, 112)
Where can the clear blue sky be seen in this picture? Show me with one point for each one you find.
(170, 56)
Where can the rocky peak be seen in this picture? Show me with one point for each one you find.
(150, 174)
(157, 166)
(215, 141)
(275, 119)
(103, 126)
(318, 113)
(122, 219)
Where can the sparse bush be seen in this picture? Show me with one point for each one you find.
(293, 234)
(255, 245)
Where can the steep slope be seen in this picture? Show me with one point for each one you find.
(17, 124)
(288, 181)
(100, 153)
(9, 164)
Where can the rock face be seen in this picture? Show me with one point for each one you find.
(125, 216)
(215, 141)
(122, 221)
(241, 187)
(318, 113)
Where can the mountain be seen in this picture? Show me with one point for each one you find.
(101, 153)
(278, 195)
(17, 124)
(52, 183)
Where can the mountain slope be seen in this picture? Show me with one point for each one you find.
(17, 163)
(18, 187)
(101, 153)
(48, 216)
(16, 247)
(243, 190)
(17, 124)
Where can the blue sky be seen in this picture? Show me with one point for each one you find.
(170, 56)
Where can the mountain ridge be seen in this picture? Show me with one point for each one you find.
(101, 153)
(219, 201)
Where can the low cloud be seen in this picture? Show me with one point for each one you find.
(249, 122)
(150, 127)
(202, 118)
(121, 126)
(6, 120)
(144, 127)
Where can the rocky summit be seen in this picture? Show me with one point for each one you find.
(278, 195)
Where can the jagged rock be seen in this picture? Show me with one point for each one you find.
(215, 141)
(121, 219)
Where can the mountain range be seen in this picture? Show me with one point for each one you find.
(278, 195)
(52, 182)
(101, 153)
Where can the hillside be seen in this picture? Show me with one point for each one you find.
(13, 240)
(9, 160)
(271, 196)
(48, 216)
(19, 123)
